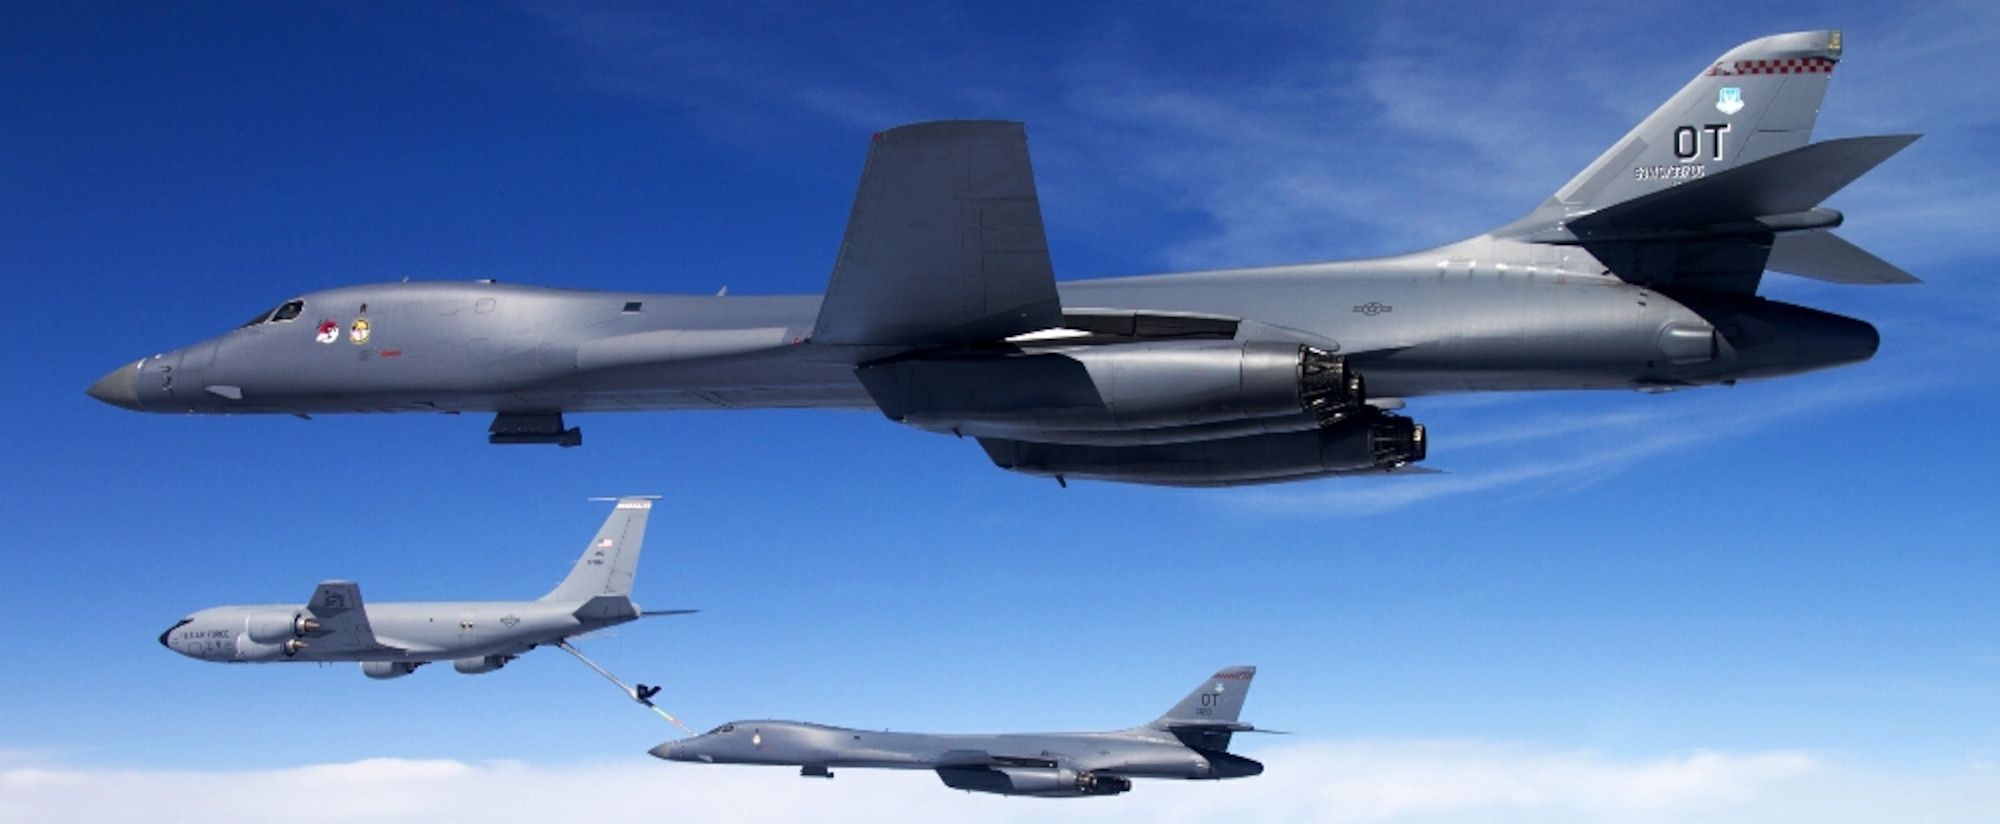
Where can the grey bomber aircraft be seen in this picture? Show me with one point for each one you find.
(392, 640)
(944, 314)
(1189, 741)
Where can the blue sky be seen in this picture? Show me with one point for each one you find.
(1744, 604)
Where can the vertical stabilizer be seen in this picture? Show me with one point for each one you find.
(1723, 181)
(1217, 702)
(1758, 100)
(609, 563)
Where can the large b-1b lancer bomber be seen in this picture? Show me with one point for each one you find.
(1189, 741)
(943, 312)
(392, 640)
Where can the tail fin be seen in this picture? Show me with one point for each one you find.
(609, 563)
(1721, 182)
(1758, 100)
(1216, 703)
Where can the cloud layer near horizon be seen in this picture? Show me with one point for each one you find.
(1346, 781)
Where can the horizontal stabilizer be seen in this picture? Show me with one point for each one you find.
(1791, 182)
(945, 244)
(1825, 256)
(1233, 726)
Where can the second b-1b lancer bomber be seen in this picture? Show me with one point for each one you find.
(943, 312)
(1189, 741)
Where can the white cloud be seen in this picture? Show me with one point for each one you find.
(1438, 131)
(1549, 477)
(1355, 781)
(1425, 135)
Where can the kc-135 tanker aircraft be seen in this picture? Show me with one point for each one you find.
(1190, 741)
(943, 312)
(393, 640)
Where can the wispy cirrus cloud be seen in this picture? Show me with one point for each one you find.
(1557, 456)
(1355, 132)
(1537, 445)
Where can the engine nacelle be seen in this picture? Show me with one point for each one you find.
(1048, 782)
(385, 670)
(475, 666)
(250, 649)
(1152, 385)
(1366, 441)
(278, 627)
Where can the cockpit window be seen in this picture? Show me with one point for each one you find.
(288, 311)
(170, 630)
(722, 729)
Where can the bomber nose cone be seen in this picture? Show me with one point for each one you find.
(680, 751)
(119, 387)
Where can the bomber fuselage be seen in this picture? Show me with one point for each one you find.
(1132, 753)
(1447, 320)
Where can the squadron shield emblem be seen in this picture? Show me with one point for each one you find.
(1730, 101)
(358, 332)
